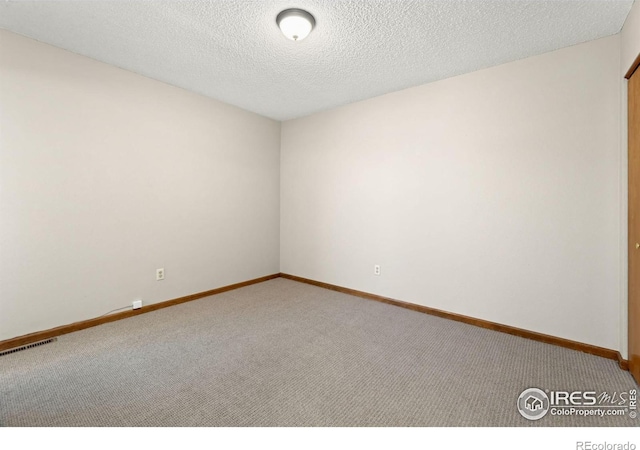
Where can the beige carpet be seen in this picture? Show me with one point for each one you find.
(282, 353)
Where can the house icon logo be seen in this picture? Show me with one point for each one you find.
(533, 404)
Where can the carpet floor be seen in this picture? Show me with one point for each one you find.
(282, 353)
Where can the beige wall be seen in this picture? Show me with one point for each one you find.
(106, 175)
(494, 194)
(498, 194)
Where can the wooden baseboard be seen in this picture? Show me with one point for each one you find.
(540, 337)
(623, 363)
(553, 340)
(77, 326)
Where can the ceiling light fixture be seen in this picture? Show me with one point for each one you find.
(296, 24)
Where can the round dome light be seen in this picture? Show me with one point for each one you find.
(296, 24)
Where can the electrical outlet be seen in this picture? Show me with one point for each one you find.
(376, 269)
(159, 274)
(137, 304)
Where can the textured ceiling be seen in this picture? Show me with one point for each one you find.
(232, 50)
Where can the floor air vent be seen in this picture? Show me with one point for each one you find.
(26, 347)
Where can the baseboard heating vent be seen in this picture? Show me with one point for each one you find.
(26, 347)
